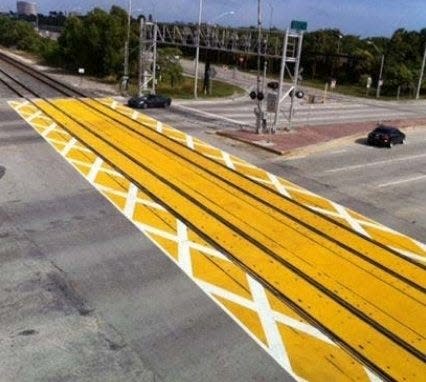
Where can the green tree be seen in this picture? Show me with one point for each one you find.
(96, 42)
(170, 68)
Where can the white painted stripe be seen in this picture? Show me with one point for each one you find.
(48, 130)
(184, 253)
(208, 251)
(113, 104)
(190, 142)
(68, 146)
(302, 327)
(227, 160)
(97, 164)
(269, 324)
(278, 185)
(371, 376)
(352, 222)
(21, 105)
(159, 127)
(34, 116)
(210, 115)
(85, 164)
(129, 208)
(277, 316)
(135, 115)
(148, 203)
(369, 164)
(401, 181)
(411, 255)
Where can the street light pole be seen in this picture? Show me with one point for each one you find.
(126, 45)
(380, 81)
(419, 84)
(197, 51)
(382, 61)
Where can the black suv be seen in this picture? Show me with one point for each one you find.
(385, 136)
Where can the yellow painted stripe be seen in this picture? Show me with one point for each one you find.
(254, 259)
(313, 357)
(395, 240)
(356, 242)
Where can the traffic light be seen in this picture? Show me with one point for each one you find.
(273, 85)
(298, 94)
(253, 95)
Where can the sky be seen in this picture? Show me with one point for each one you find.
(359, 17)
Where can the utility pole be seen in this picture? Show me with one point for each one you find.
(419, 85)
(126, 45)
(259, 113)
(380, 80)
(282, 74)
(197, 51)
(142, 39)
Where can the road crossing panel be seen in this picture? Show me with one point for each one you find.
(293, 341)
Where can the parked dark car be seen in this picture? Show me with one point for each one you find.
(152, 100)
(385, 136)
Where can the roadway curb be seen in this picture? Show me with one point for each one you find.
(252, 143)
(361, 131)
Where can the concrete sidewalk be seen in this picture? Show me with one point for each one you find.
(308, 138)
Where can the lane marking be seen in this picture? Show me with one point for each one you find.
(95, 169)
(68, 146)
(227, 160)
(278, 185)
(190, 142)
(48, 130)
(183, 248)
(269, 325)
(407, 180)
(277, 316)
(357, 166)
(129, 208)
(210, 115)
(343, 212)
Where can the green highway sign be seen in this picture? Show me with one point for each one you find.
(298, 25)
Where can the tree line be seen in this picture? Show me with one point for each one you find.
(95, 41)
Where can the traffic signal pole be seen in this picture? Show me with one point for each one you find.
(281, 81)
(295, 79)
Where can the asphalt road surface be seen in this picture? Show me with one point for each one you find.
(80, 275)
(135, 314)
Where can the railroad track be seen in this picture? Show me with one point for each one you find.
(304, 230)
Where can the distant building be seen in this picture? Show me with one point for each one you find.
(26, 8)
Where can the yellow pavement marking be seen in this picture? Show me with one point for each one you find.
(406, 245)
(231, 287)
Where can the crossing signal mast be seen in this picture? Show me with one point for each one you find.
(292, 51)
(291, 54)
(148, 67)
